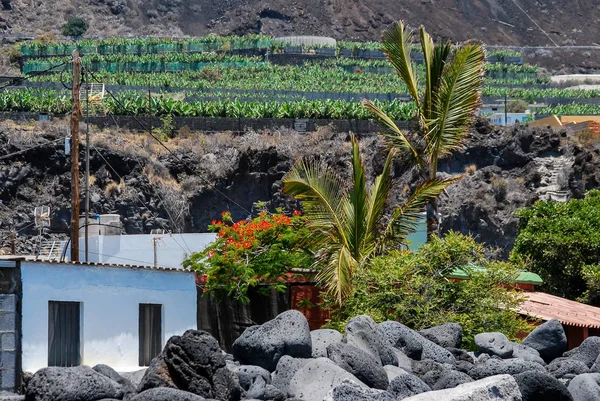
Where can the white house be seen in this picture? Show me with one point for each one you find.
(77, 313)
(168, 250)
(509, 118)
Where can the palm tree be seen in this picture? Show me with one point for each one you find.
(447, 101)
(349, 226)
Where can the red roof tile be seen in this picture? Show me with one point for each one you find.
(571, 313)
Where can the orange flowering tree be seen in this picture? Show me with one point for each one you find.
(248, 253)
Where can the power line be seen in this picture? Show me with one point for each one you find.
(145, 128)
(536, 24)
(34, 74)
(121, 178)
(28, 149)
(141, 167)
(138, 196)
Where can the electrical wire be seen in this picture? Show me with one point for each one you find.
(536, 24)
(120, 178)
(145, 128)
(34, 74)
(136, 194)
(28, 149)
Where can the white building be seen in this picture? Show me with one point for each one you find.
(167, 250)
(76, 313)
(509, 118)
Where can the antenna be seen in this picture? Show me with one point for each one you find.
(41, 216)
(92, 93)
(157, 238)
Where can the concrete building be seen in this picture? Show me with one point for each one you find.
(509, 118)
(167, 250)
(67, 314)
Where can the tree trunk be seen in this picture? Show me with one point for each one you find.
(433, 221)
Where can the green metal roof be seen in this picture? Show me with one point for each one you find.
(463, 273)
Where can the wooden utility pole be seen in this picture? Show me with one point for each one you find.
(76, 113)
(12, 242)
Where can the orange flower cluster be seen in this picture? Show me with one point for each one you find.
(242, 235)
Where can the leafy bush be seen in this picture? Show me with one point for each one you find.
(560, 239)
(517, 106)
(412, 289)
(165, 131)
(250, 253)
(591, 275)
(75, 27)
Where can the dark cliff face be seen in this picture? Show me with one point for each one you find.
(503, 170)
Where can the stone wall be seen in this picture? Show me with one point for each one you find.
(222, 124)
(8, 341)
(10, 325)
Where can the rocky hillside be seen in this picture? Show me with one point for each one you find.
(493, 21)
(504, 170)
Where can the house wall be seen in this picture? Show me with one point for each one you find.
(171, 250)
(110, 298)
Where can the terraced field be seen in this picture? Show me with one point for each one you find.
(256, 77)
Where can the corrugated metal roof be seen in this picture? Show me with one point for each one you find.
(128, 266)
(545, 306)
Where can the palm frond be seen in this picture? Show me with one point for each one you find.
(378, 196)
(427, 49)
(320, 191)
(336, 273)
(397, 43)
(456, 101)
(396, 137)
(356, 207)
(405, 217)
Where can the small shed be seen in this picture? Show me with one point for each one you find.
(69, 314)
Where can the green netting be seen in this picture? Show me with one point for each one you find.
(131, 49)
(195, 47)
(166, 48)
(105, 49)
(87, 50)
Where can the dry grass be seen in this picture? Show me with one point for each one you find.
(113, 189)
(587, 138)
(470, 169)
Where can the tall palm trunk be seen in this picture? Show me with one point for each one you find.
(433, 219)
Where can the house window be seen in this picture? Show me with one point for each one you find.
(64, 333)
(150, 332)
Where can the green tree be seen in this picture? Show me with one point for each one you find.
(75, 27)
(348, 224)
(517, 106)
(411, 287)
(446, 102)
(560, 240)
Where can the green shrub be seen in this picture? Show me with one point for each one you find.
(165, 131)
(412, 289)
(559, 240)
(517, 106)
(591, 275)
(75, 27)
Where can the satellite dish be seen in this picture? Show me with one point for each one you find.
(42, 216)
